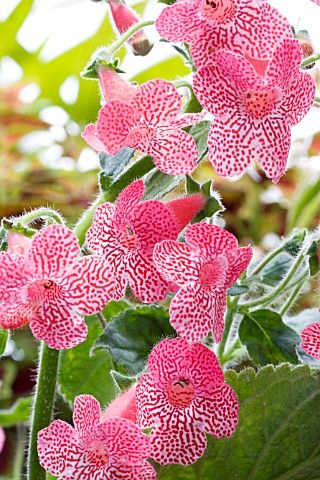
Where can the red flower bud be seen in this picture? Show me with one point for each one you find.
(185, 208)
(124, 18)
(124, 406)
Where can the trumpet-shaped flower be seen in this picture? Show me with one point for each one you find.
(152, 123)
(182, 397)
(254, 113)
(203, 268)
(94, 449)
(248, 27)
(51, 286)
(126, 233)
(311, 340)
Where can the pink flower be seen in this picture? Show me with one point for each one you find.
(126, 233)
(18, 244)
(124, 18)
(248, 27)
(94, 449)
(311, 340)
(123, 406)
(183, 396)
(254, 113)
(152, 123)
(2, 439)
(51, 286)
(203, 268)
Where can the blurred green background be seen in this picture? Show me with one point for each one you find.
(44, 106)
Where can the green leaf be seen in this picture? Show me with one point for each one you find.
(17, 414)
(200, 135)
(80, 372)
(278, 436)
(305, 207)
(267, 338)
(237, 290)
(4, 335)
(159, 184)
(294, 243)
(131, 335)
(112, 166)
(3, 240)
(276, 269)
(314, 263)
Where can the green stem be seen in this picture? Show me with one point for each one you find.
(232, 305)
(136, 170)
(102, 320)
(266, 260)
(281, 287)
(309, 60)
(43, 406)
(43, 212)
(292, 298)
(125, 37)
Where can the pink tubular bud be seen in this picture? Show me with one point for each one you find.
(113, 87)
(185, 208)
(124, 406)
(124, 18)
(2, 439)
(18, 244)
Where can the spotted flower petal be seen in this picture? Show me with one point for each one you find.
(180, 22)
(184, 444)
(90, 135)
(56, 446)
(218, 413)
(53, 251)
(210, 239)
(86, 412)
(205, 369)
(311, 340)
(58, 326)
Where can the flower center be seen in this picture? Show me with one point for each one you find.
(181, 393)
(97, 453)
(213, 274)
(259, 103)
(42, 290)
(128, 239)
(219, 10)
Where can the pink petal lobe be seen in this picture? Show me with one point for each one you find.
(218, 411)
(183, 444)
(189, 119)
(58, 326)
(179, 22)
(191, 313)
(124, 441)
(54, 250)
(152, 402)
(18, 244)
(177, 262)
(90, 284)
(91, 137)
(168, 359)
(86, 412)
(97, 237)
(146, 282)
(174, 151)
(158, 101)
(285, 63)
(56, 447)
(114, 123)
(219, 309)
(127, 200)
(152, 222)
(205, 369)
(299, 97)
(311, 340)
(210, 239)
(238, 261)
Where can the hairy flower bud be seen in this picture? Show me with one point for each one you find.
(123, 406)
(184, 209)
(124, 18)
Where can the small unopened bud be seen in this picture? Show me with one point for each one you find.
(124, 18)
(124, 406)
(184, 209)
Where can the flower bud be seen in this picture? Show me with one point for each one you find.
(124, 18)
(185, 208)
(124, 406)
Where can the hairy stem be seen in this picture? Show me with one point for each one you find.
(125, 37)
(292, 298)
(309, 60)
(232, 306)
(42, 407)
